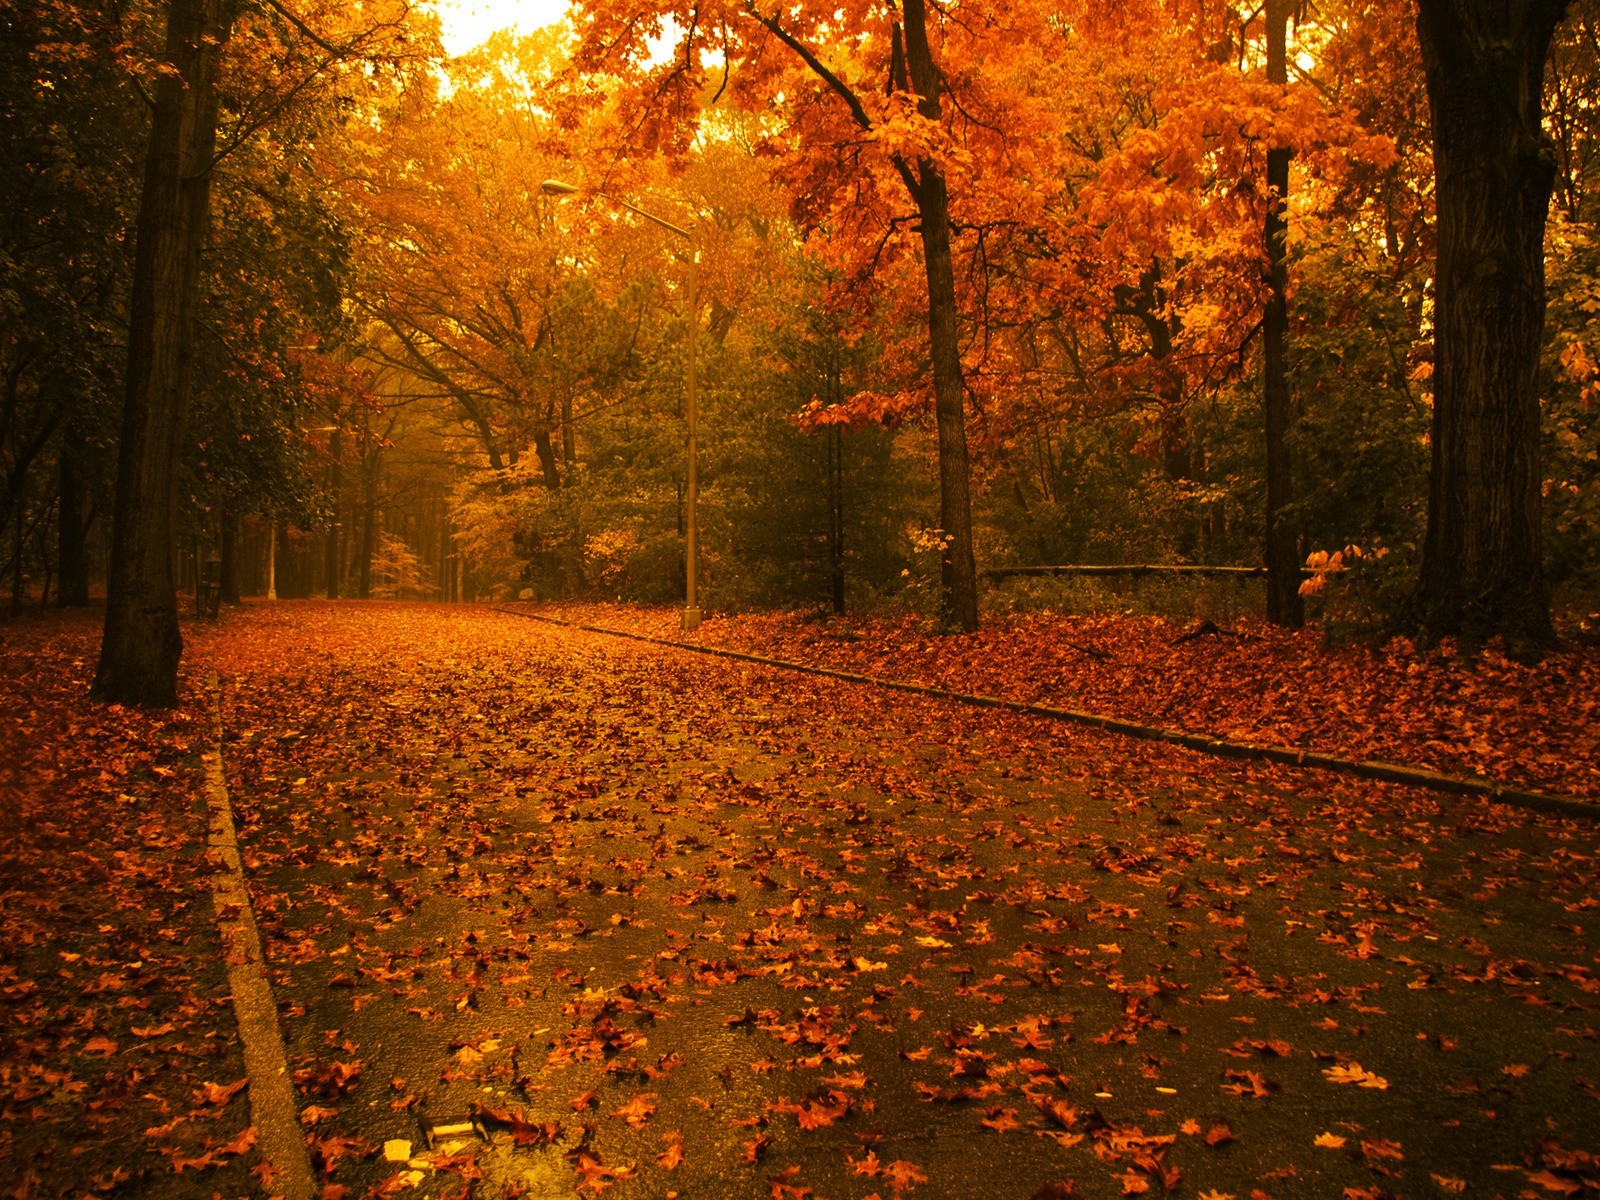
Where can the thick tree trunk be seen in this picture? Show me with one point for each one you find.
(141, 646)
(1482, 569)
(958, 573)
(228, 554)
(836, 516)
(1284, 606)
(72, 530)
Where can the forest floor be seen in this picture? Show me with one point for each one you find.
(1532, 726)
(658, 924)
(120, 1069)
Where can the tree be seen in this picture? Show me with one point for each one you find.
(1284, 606)
(141, 647)
(280, 70)
(1482, 569)
(863, 100)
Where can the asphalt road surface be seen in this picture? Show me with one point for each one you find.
(655, 924)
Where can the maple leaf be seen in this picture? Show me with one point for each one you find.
(1133, 1183)
(1552, 1182)
(1062, 1113)
(638, 1110)
(327, 1151)
(902, 1175)
(523, 1131)
(181, 1162)
(220, 1094)
(595, 1176)
(1001, 1120)
(1355, 1073)
(245, 1140)
(1330, 1141)
(671, 1158)
(1382, 1148)
(864, 1166)
(1218, 1134)
(1247, 1083)
(332, 1080)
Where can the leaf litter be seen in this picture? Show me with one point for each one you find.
(616, 903)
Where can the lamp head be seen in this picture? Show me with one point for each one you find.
(557, 187)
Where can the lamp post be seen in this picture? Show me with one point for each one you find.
(272, 561)
(691, 609)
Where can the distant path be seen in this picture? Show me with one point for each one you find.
(631, 906)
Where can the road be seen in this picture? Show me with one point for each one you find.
(669, 925)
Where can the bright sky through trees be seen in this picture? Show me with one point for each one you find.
(467, 23)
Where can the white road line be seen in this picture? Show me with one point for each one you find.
(272, 1104)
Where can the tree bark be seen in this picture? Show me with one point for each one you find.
(836, 516)
(957, 572)
(1482, 568)
(72, 531)
(1284, 606)
(569, 436)
(228, 554)
(141, 646)
(369, 534)
(335, 559)
(546, 451)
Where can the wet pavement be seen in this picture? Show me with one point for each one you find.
(654, 924)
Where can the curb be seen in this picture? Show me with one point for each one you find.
(272, 1105)
(1387, 772)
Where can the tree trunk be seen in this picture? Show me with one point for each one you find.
(569, 436)
(836, 516)
(1482, 568)
(957, 571)
(369, 536)
(545, 449)
(141, 646)
(18, 560)
(1284, 606)
(72, 531)
(228, 556)
(335, 560)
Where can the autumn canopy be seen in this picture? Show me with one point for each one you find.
(1071, 284)
(868, 598)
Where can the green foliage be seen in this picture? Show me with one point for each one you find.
(1572, 414)
(615, 526)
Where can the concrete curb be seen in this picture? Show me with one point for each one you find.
(272, 1105)
(1488, 789)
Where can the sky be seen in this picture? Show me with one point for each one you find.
(468, 22)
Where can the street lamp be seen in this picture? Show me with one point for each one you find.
(691, 610)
